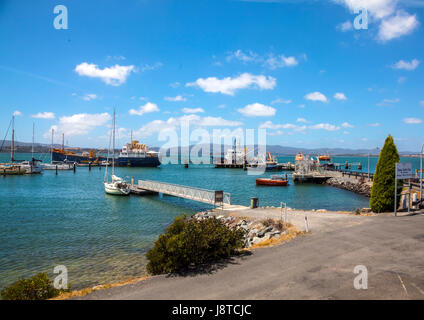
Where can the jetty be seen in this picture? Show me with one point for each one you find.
(279, 167)
(217, 198)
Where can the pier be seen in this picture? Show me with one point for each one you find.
(213, 197)
(279, 166)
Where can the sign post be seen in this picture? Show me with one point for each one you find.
(403, 171)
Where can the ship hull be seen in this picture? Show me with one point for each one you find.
(59, 157)
(119, 162)
(137, 162)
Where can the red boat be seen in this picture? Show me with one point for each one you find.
(274, 181)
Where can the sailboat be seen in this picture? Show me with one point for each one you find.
(19, 166)
(117, 186)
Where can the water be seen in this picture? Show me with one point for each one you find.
(67, 219)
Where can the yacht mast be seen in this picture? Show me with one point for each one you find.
(12, 149)
(113, 144)
(51, 149)
(32, 147)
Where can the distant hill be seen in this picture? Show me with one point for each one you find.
(273, 149)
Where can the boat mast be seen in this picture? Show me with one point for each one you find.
(32, 147)
(63, 142)
(113, 144)
(51, 149)
(12, 149)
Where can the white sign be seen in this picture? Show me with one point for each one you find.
(404, 170)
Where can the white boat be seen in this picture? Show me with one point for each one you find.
(117, 186)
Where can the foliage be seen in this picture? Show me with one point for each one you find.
(187, 242)
(383, 188)
(39, 287)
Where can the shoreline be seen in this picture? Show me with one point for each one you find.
(233, 217)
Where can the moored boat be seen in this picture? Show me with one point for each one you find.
(117, 186)
(273, 181)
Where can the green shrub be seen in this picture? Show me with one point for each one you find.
(383, 187)
(39, 287)
(189, 242)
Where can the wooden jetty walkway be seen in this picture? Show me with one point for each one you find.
(212, 197)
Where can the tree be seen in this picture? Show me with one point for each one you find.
(383, 188)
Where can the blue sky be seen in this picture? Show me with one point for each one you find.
(297, 68)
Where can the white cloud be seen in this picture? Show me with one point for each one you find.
(303, 120)
(175, 99)
(340, 96)
(280, 61)
(17, 113)
(422, 103)
(388, 101)
(174, 84)
(217, 122)
(240, 55)
(347, 125)
(275, 126)
(79, 124)
(345, 26)
(114, 76)
(374, 124)
(377, 8)
(193, 110)
(229, 85)
(401, 79)
(43, 115)
(405, 65)
(89, 96)
(257, 110)
(278, 100)
(147, 108)
(316, 96)
(271, 61)
(393, 22)
(412, 121)
(173, 124)
(324, 126)
(399, 25)
(148, 67)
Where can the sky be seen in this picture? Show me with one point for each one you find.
(312, 73)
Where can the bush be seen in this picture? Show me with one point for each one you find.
(189, 242)
(383, 187)
(39, 287)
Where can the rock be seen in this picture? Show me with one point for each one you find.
(366, 210)
(256, 240)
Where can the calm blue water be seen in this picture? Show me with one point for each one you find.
(67, 219)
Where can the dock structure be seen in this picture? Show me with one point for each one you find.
(213, 197)
(279, 166)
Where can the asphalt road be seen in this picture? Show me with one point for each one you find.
(319, 265)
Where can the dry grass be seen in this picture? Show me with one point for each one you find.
(84, 292)
(292, 233)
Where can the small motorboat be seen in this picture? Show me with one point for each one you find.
(273, 181)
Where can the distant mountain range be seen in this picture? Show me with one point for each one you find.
(273, 149)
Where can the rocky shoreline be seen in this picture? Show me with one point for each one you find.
(256, 232)
(361, 186)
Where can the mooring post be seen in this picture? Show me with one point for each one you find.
(56, 169)
(75, 166)
(89, 166)
(306, 224)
